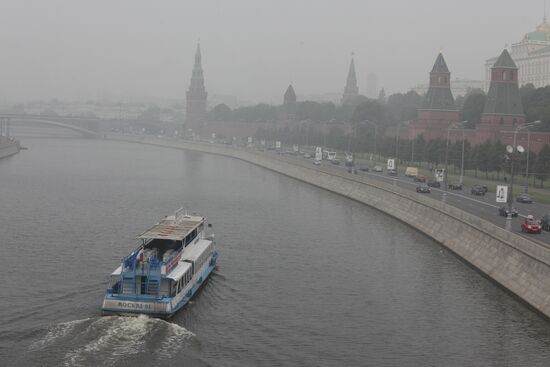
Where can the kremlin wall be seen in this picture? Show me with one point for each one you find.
(502, 116)
(438, 118)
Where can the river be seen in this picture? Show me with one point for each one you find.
(305, 277)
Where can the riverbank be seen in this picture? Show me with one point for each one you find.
(519, 265)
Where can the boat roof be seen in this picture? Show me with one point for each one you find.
(179, 270)
(173, 227)
(193, 252)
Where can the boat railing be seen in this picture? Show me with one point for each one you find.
(170, 263)
(131, 264)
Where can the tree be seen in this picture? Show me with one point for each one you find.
(403, 107)
(542, 164)
(220, 112)
(536, 104)
(496, 158)
(382, 96)
(483, 158)
(527, 93)
(473, 107)
(370, 110)
(151, 114)
(419, 152)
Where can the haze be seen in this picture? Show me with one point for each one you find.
(71, 49)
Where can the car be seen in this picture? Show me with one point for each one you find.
(478, 190)
(545, 222)
(423, 188)
(364, 169)
(503, 210)
(433, 183)
(335, 161)
(377, 169)
(392, 172)
(419, 178)
(352, 170)
(524, 198)
(531, 225)
(317, 163)
(307, 155)
(455, 186)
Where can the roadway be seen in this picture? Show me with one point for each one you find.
(483, 206)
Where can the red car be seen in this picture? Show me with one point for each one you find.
(531, 225)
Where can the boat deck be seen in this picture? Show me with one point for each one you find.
(171, 229)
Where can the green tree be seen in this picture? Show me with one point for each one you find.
(220, 112)
(542, 164)
(496, 158)
(473, 107)
(483, 158)
(536, 104)
(370, 110)
(403, 107)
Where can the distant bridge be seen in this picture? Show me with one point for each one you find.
(87, 126)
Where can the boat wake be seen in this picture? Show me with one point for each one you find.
(109, 340)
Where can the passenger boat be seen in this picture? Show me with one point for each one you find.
(159, 277)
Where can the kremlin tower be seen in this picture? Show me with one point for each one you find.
(503, 108)
(195, 112)
(351, 91)
(438, 109)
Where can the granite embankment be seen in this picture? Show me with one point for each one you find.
(519, 265)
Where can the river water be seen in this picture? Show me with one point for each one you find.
(305, 277)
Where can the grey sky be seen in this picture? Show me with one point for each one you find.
(78, 49)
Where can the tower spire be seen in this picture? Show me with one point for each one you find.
(196, 96)
(198, 55)
(351, 91)
(439, 96)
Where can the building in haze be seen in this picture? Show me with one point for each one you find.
(195, 112)
(532, 57)
(372, 86)
(459, 87)
(289, 104)
(351, 91)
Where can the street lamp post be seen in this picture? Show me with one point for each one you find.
(397, 145)
(463, 123)
(412, 150)
(445, 185)
(397, 141)
(373, 125)
(526, 186)
(526, 126)
(374, 152)
(462, 159)
(451, 126)
(354, 132)
(513, 152)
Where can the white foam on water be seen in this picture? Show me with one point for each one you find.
(111, 339)
(56, 332)
(174, 340)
